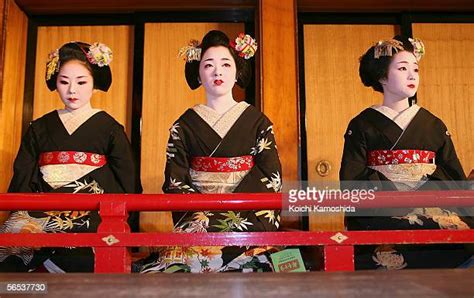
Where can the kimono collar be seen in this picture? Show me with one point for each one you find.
(402, 119)
(73, 119)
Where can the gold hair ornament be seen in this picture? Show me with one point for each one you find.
(386, 48)
(191, 52)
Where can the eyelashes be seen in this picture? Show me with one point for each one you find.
(403, 68)
(224, 65)
(79, 83)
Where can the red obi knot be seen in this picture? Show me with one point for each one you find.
(395, 157)
(222, 164)
(72, 157)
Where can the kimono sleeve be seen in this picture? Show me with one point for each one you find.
(26, 174)
(120, 159)
(265, 175)
(177, 178)
(448, 166)
(354, 157)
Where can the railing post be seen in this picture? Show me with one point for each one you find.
(338, 258)
(115, 258)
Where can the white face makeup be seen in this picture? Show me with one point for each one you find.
(217, 71)
(75, 85)
(402, 77)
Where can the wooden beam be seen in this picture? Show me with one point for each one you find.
(279, 78)
(126, 6)
(43, 7)
(384, 5)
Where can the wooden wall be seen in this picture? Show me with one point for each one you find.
(11, 101)
(2, 40)
(334, 95)
(447, 82)
(13, 51)
(279, 83)
(278, 78)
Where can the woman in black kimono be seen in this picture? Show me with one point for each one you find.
(74, 150)
(223, 146)
(401, 146)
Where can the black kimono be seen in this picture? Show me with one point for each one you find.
(96, 158)
(373, 133)
(212, 153)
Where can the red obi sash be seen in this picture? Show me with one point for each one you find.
(394, 157)
(72, 157)
(222, 164)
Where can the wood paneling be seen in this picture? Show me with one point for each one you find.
(166, 96)
(11, 102)
(384, 5)
(2, 40)
(447, 82)
(117, 101)
(279, 81)
(334, 95)
(125, 6)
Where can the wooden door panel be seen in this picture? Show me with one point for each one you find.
(334, 95)
(447, 82)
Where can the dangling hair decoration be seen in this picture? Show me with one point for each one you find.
(386, 48)
(52, 66)
(191, 52)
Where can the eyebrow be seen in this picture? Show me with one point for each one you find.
(79, 77)
(406, 62)
(209, 59)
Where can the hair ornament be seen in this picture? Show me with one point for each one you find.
(52, 66)
(418, 48)
(386, 47)
(245, 45)
(99, 54)
(191, 52)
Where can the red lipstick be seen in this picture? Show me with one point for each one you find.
(218, 82)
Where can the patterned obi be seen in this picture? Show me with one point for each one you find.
(72, 157)
(222, 164)
(395, 157)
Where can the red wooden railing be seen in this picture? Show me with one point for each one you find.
(113, 238)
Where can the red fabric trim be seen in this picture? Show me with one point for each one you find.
(394, 157)
(222, 164)
(72, 157)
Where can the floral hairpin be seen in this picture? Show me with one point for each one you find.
(99, 54)
(191, 52)
(386, 47)
(52, 66)
(245, 45)
(418, 48)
